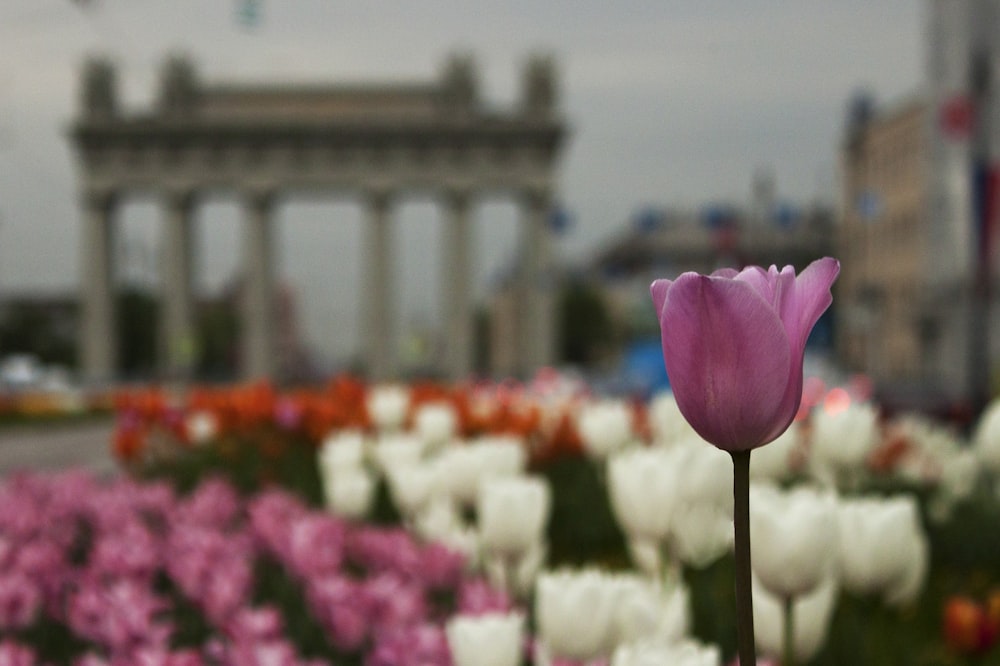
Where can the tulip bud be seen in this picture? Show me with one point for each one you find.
(642, 489)
(733, 345)
(436, 423)
(397, 450)
(411, 487)
(604, 427)
(776, 461)
(350, 492)
(666, 421)
(883, 550)
(342, 449)
(461, 469)
(439, 521)
(512, 514)
(575, 613)
(493, 639)
(387, 406)
(795, 539)
(843, 440)
(648, 610)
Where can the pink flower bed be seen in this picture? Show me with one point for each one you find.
(119, 566)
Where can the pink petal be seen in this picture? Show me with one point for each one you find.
(800, 307)
(809, 299)
(771, 284)
(658, 290)
(728, 358)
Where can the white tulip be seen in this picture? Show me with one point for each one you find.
(661, 653)
(775, 462)
(645, 555)
(794, 542)
(700, 533)
(666, 422)
(436, 423)
(518, 576)
(986, 440)
(512, 514)
(342, 449)
(605, 426)
(642, 489)
(810, 624)
(702, 521)
(492, 639)
(648, 610)
(462, 469)
(501, 455)
(959, 476)
(439, 521)
(350, 492)
(883, 549)
(459, 473)
(842, 440)
(397, 450)
(387, 406)
(575, 613)
(706, 474)
(201, 427)
(412, 486)
(679, 497)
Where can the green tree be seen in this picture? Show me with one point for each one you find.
(586, 329)
(137, 332)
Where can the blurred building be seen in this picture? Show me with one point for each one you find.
(663, 243)
(375, 142)
(886, 327)
(919, 209)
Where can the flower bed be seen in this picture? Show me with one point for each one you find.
(132, 573)
(362, 451)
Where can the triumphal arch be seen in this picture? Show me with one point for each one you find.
(263, 142)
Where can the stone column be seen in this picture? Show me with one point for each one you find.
(258, 335)
(99, 344)
(537, 325)
(457, 289)
(377, 318)
(177, 325)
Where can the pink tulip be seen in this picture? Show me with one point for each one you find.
(733, 345)
(15, 654)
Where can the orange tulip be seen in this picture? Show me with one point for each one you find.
(967, 627)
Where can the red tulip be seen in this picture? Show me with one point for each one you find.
(967, 626)
(733, 345)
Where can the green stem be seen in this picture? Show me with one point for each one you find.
(746, 649)
(789, 649)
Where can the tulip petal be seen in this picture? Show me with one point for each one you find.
(810, 298)
(658, 290)
(799, 302)
(728, 358)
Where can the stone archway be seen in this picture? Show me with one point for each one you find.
(266, 141)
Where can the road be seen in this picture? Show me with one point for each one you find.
(52, 447)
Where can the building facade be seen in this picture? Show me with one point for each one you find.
(885, 327)
(917, 291)
(377, 143)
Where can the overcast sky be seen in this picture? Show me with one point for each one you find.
(670, 103)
